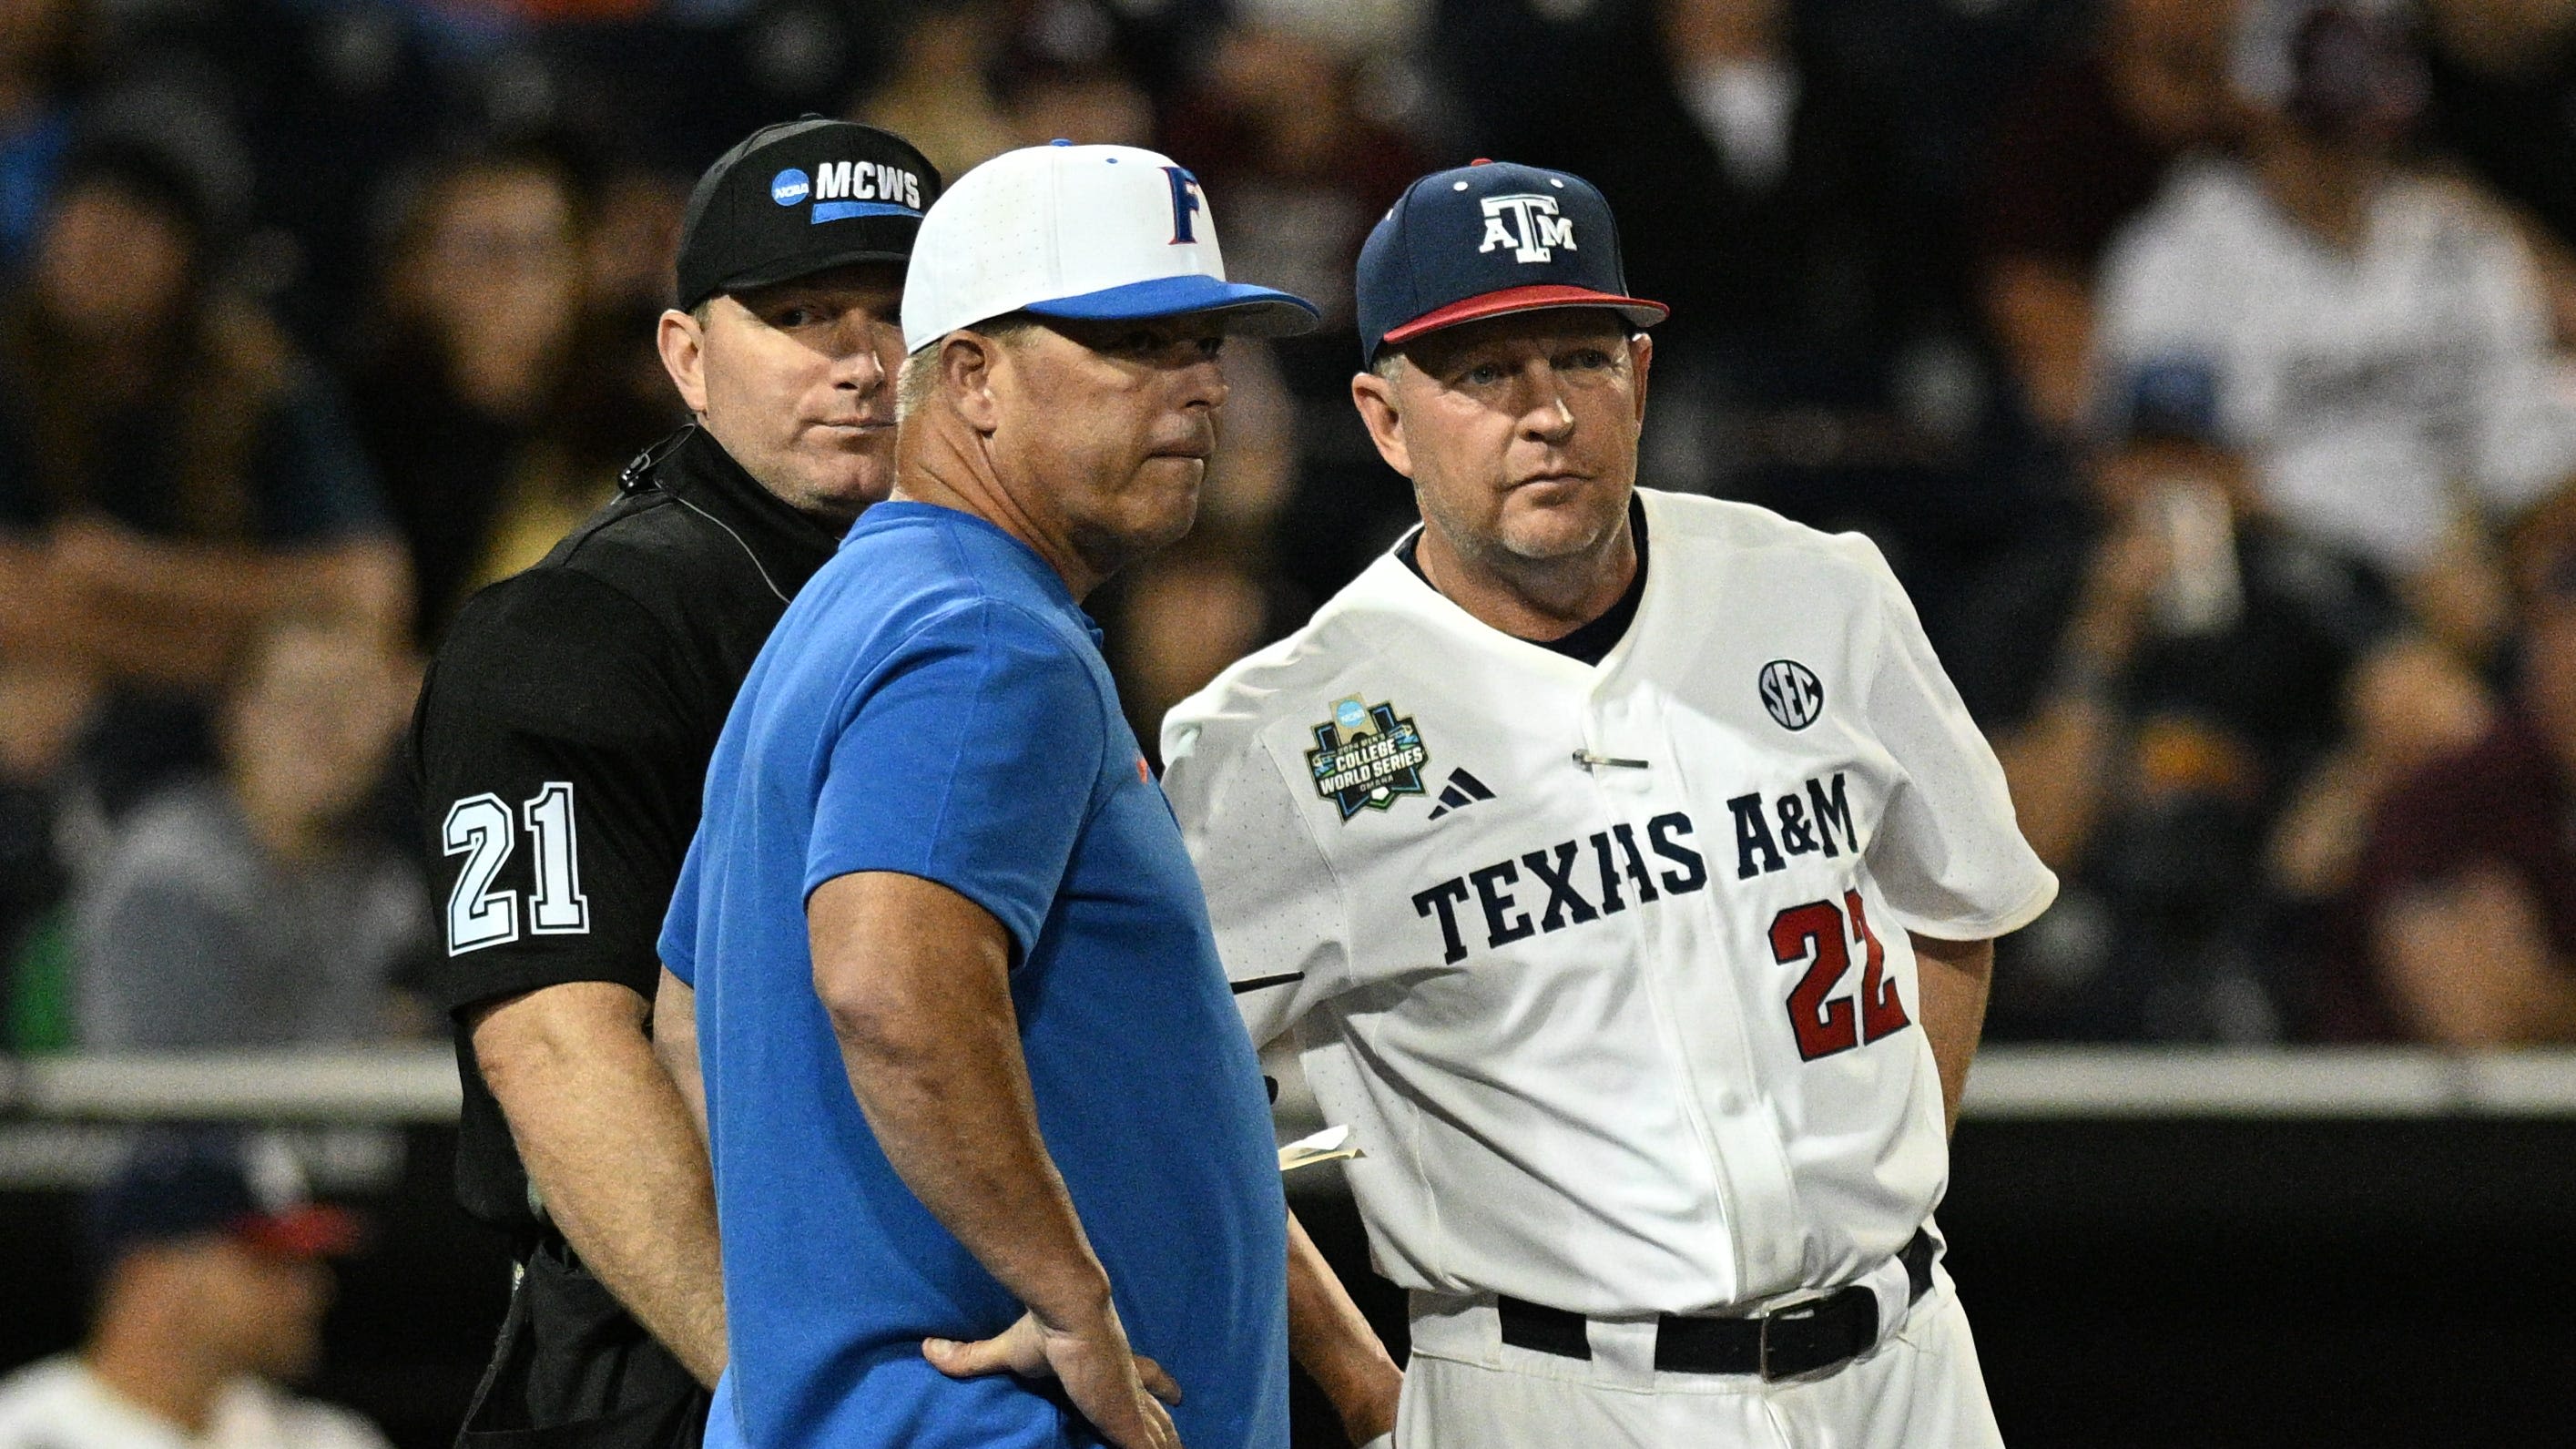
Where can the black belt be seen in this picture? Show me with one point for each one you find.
(1784, 1343)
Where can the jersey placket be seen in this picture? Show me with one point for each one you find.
(1702, 1021)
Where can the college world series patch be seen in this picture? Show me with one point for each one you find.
(1365, 756)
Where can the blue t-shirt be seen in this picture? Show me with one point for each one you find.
(935, 703)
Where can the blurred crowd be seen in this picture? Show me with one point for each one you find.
(2201, 365)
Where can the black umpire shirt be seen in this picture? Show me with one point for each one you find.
(561, 746)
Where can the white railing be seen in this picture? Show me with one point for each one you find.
(381, 1085)
(417, 1084)
(2272, 1083)
(66, 1123)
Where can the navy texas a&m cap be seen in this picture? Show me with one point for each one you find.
(798, 198)
(1488, 238)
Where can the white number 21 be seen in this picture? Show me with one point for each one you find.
(479, 828)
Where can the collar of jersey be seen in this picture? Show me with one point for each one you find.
(789, 545)
(991, 541)
(1388, 583)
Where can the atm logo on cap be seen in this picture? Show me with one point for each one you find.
(1528, 224)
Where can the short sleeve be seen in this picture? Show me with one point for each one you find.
(1281, 924)
(970, 756)
(559, 768)
(680, 927)
(1948, 852)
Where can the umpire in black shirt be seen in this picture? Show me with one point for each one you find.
(561, 745)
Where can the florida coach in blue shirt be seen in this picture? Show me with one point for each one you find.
(991, 1154)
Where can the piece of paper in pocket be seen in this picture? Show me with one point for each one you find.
(1324, 1146)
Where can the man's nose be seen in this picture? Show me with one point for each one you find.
(858, 362)
(1204, 384)
(1549, 419)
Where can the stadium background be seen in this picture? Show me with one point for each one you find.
(314, 315)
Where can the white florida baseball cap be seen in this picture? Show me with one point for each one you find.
(1079, 232)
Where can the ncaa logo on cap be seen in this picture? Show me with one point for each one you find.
(1528, 224)
(789, 187)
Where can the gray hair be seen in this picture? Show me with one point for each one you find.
(920, 376)
(912, 386)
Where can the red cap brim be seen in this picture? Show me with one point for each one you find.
(1638, 311)
(313, 1230)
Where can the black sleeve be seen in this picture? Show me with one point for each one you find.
(560, 771)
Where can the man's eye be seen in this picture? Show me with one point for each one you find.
(1483, 374)
(1587, 359)
(1211, 347)
(788, 317)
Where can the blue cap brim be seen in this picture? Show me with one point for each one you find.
(1248, 311)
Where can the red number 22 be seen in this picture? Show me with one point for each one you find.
(1825, 1023)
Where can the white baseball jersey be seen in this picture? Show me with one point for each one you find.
(1607, 966)
(2368, 387)
(57, 1403)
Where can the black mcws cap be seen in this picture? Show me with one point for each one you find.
(798, 198)
(1488, 238)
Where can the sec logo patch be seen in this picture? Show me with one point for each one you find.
(1792, 693)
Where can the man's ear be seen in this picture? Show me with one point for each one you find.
(967, 364)
(1641, 360)
(684, 356)
(1374, 396)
